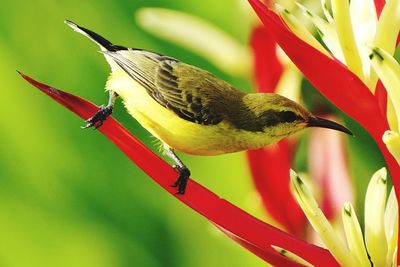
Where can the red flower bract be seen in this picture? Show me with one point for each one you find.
(267, 67)
(245, 229)
(270, 171)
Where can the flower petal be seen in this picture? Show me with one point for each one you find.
(292, 256)
(326, 31)
(354, 235)
(320, 223)
(222, 213)
(297, 28)
(388, 71)
(358, 102)
(392, 141)
(344, 29)
(391, 115)
(391, 225)
(388, 27)
(375, 202)
(364, 21)
(335, 82)
(327, 12)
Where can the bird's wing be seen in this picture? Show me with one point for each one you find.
(176, 86)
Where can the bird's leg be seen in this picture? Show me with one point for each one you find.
(97, 119)
(183, 171)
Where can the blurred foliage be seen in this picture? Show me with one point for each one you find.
(68, 197)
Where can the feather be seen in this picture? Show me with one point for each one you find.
(162, 78)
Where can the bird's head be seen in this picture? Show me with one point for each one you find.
(279, 116)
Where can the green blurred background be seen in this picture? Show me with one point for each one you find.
(69, 197)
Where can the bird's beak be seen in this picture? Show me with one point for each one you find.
(324, 123)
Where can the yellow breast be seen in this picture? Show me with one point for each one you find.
(175, 132)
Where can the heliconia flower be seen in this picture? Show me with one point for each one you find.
(378, 245)
(274, 72)
(388, 70)
(348, 88)
(358, 102)
(392, 141)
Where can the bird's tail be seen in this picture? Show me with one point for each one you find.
(102, 42)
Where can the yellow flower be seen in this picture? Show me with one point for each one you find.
(355, 36)
(377, 246)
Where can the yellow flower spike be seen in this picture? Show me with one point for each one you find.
(388, 26)
(392, 142)
(319, 222)
(388, 71)
(292, 256)
(364, 20)
(199, 36)
(326, 31)
(291, 5)
(391, 115)
(288, 4)
(354, 235)
(344, 28)
(299, 29)
(391, 225)
(375, 202)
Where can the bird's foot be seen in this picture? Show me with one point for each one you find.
(97, 120)
(182, 180)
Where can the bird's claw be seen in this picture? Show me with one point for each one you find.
(182, 180)
(98, 119)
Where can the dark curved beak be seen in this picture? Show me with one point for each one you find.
(324, 123)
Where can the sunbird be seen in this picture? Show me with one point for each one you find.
(190, 110)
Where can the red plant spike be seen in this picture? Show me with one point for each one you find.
(247, 230)
(342, 87)
(267, 67)
(270, 171)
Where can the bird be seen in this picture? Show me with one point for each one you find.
(190, 110)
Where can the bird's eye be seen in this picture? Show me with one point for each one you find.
(289, 116)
